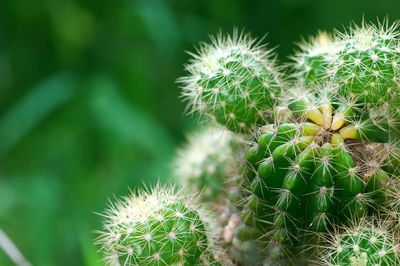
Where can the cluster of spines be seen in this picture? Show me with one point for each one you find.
(364, 61)
(369, 63)
(233, 80)
(365, 242)
(156, 227)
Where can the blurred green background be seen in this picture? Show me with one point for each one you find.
(89, 104)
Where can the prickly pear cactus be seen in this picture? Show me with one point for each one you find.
(320, 163)
(234, 80)
(365, 243)
(154, 228)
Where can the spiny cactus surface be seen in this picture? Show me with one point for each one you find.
(312, 59)
(234, 80)
(323, 164)
(154, 228)
(368, 64)
(366, 243)
(319, 183)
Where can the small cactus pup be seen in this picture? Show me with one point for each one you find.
(320, 163)
(369, 242)
(233, 80)
(311, 60)
(368, 65)
(159, 227)
(208, 161)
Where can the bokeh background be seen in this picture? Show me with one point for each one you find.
(89, 105)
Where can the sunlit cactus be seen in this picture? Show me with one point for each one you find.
(368, 65)
(233, 80)
(208, 161)
(159, 227)
(364, 243)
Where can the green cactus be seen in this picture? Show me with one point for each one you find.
(325, 155)
(368, 65)
(364, 243)
(154, 228)
(208, 161)
(320, 163)
(234, 80)
(311, 61)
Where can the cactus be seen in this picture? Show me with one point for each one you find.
(233, 80)
(320, 163)
(154, 228)
(364, 243)
(208, 161)
(311, 61)
(317, 184)
(368, 65)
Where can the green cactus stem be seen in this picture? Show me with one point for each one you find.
(312, 59)
(154, 228)
(368, 65)
(321, 165)
(234, 80)
(364, 243)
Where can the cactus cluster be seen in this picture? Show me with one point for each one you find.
(300, 161)
(317, 166)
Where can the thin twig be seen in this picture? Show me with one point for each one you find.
(12, 251)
